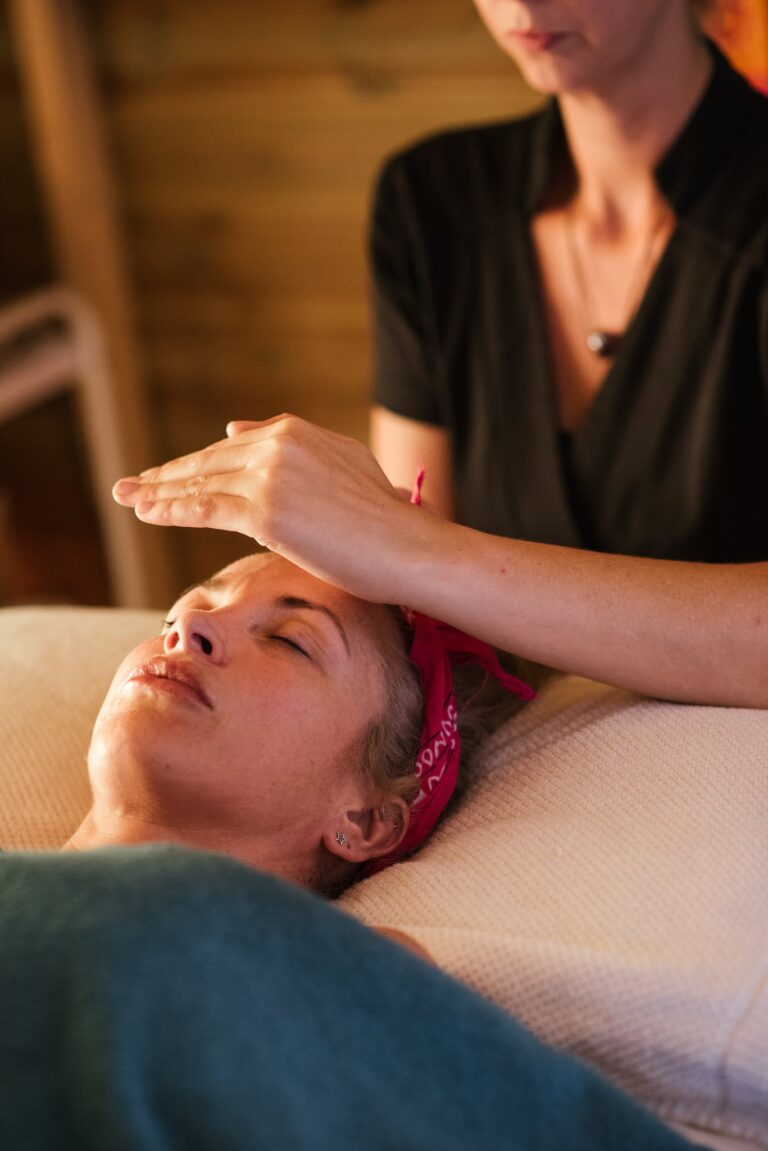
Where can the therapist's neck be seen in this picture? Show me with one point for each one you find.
(618, 136)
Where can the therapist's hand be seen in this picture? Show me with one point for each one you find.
(315, 497)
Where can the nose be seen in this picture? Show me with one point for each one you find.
(195, 632)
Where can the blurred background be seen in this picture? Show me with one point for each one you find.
(197, 173)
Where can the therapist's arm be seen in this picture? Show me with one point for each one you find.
(679, 631)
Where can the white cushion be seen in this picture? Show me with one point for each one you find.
(56, 666)
(606, 882)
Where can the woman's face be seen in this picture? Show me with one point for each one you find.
(569, 45)
(244, 712)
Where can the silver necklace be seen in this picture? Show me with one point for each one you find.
(601, 342)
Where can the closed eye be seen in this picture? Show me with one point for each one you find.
(292, 643)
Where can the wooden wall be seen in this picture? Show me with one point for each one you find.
(245, 137)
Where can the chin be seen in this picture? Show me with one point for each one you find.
(572, 67)
(552, 78)
(127, 746)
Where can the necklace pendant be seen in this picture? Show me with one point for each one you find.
(605, 345)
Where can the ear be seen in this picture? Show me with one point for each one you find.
(359, 835)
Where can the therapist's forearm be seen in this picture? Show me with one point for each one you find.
(682, 631)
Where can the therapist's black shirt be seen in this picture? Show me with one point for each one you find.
(672, 457)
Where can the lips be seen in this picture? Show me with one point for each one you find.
(176, 672)
(537, 41)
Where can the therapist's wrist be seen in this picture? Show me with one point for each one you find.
(424, 561)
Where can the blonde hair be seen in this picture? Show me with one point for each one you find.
(391, 741)
(386, 753)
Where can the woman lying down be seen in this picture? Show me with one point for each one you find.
(161, 986)
(281, 721)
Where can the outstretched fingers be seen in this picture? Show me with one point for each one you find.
(221, 510)
(238, 451)
(188, 493)
(223, 456)
(309, 494)
(135, 491)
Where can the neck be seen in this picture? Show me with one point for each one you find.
(618, 133)
(111, 828)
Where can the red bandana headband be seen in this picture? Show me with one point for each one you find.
(435, 649)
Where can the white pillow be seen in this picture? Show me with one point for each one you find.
(605, 878)
(56, 666)
(606, 882)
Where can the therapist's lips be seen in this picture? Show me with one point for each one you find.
(171, 675)
(536, 41)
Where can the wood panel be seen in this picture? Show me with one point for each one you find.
(245, 137)
(154, 41)
(24, 260)
(248, 164)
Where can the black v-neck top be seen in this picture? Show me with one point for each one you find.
(672, 457)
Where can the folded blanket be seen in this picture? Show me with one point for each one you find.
(159, 998)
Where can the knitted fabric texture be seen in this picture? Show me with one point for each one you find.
(605, 880)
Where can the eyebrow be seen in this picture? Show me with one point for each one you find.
(297, 603)
(301, 604)
(215, 583)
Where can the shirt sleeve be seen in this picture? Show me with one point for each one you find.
(405, 361)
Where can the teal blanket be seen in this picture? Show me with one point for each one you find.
(156, 998)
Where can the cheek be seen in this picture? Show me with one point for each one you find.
(290, 736)
(617, 28)
(284, 724)
(282, 768)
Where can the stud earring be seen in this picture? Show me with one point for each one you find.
(341, 838)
